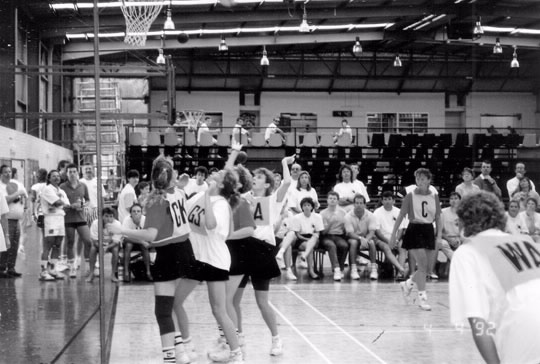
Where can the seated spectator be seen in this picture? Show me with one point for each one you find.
(514, 220)
(144, 191)
(273, 128)
(303, 189)
(333, 237)
(203, 128)
(532, 219)
(238, 131)
(360, 225)
(513, 183)
(111, 242)
(304, 234)
(524, 192)
(344, 130)
(485, 181)
(386, 216)
(358, 185)
(135, 222)
(467, 186)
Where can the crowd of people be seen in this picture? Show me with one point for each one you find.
(231, 226)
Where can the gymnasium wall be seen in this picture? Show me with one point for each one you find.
(322, 104)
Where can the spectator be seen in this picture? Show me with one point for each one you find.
(467, 186)
(238, 131)
(295, 173)
(485, 181)
(515, 224)
(16, 197)
(532, 219)
(344, 130)
(303, 189)
(345, 188)
(524, 192)
(128, 196)
(111, 184)
(451, 238)
(513, 183)
(4, 229)
(143, 189)
(358, 185)
(203, 128)
(135, 221)
(35, 197)
(197, 184)
(75, 219)
(360, 225)
(491, 288)
(62, 169)
(273, 128)
(333, 237)
(111, 242)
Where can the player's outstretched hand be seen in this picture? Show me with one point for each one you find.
(290, 159)
(235, 145)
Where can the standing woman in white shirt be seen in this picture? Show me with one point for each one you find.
(345, 188)
(303, 189)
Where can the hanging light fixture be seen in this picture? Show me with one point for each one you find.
(357, 47)
(515, 62)
(478, 27)
(169, 24)
(397, 61)
(160, 58)
(497, 48)
(223, 47)
(264, 58)
(304, 26)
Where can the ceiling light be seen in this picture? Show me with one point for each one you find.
(397, 61)
(160, 58)
(304, 26)
(497, 48)
(223, 47)
(478, 27)
(357, 47)
(515, 62)
(169, 24)
(264, 58)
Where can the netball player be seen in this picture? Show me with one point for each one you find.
(422, 208)
(167, 230)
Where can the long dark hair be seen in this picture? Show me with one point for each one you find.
(230, 182)
(162, 173)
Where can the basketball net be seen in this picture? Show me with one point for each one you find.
(139, 14)
(189, 119)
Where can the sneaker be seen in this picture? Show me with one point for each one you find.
(433, 276)
(77, 262)
(423, 303)
(190, 350)
(236, 357)
(221, 353)
(277, 346)
(13, 273)
(60, 275)
(181, 355)
(374, 275)
(354, 272)
(45, 276)
(290, 275)
(406, 289)
(73, 272)
(61, 265)
(96, 271)
(337, 275)
(303, 263)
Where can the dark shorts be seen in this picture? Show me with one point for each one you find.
(205, 272)
(135, 247)
(173, 261)
(75, 225)
(262, 259)
(40, 222)
(258, 284)
(419, 236)
(239, 257)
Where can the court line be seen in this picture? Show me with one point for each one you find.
(379, 359)
(315, 348)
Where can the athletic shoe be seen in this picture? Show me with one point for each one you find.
(13, 273)
(221, 353)
(423, 303)
(277, 346)
(281, 263)
(60, 275)
(374, 275)
(61, 265)
(303, 263)
(433, 276)
(337, 275)
(181, 355)
(190, 350)
(45, 276)
(406, 289)
(73, 272)
(354, 272)
(236, 357)
(290, 275)
(96, 271)
(77, 262)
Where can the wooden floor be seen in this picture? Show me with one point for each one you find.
(319, 322)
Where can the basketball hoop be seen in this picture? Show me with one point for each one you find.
(189, 119)
(139, 14)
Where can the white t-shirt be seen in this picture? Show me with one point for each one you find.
(4, 209)
(296, 196)
(450, 225)
(209, 245)
(532, 224)
(128, 223)
(37, 188)
(126, 199)
(49, 195)
(193, 188)
(515, 225)
(16, 209)
(512, 185)
(270, 129)
(493, 276)
(307, 224)
(348, 190)
(386, 220)
(91, 186)
(108, 237)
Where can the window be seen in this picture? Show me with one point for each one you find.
(397, 122)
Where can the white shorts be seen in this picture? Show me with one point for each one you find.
(54, 226)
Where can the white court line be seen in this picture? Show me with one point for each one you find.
(316, 349)
(337, 326)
